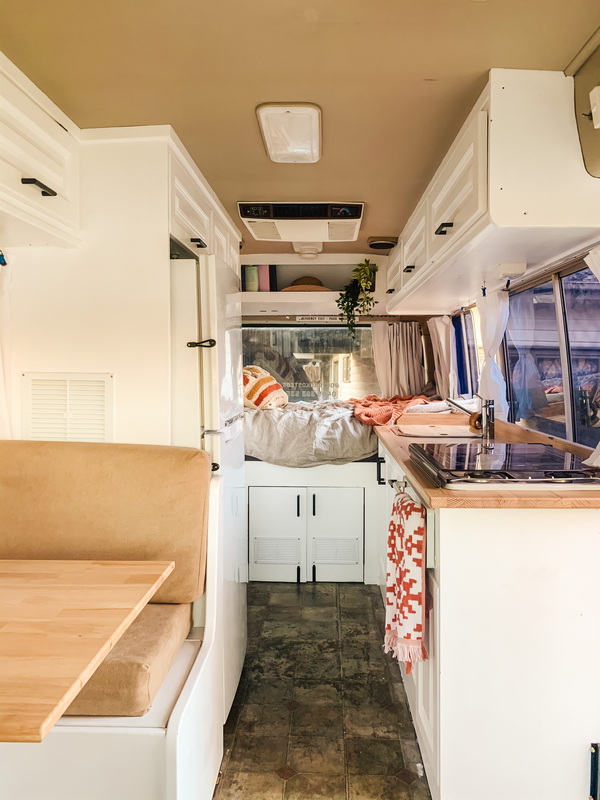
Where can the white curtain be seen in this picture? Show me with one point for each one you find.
(5, 426)
(398, 353)
(493, 316)
(443, 343)
(593, 261)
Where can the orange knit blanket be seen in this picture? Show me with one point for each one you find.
(373, 410)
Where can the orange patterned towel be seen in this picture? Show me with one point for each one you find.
(373, 410)
(261, 390)
(405, 584)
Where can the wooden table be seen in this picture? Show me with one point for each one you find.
(58, 621)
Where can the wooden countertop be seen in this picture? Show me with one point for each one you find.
(58, 621)
(397, 446)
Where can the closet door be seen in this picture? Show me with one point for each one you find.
(335, 532)
(277, 530)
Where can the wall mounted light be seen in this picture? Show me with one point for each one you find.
(291, 132)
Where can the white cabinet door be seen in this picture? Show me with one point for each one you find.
(426, 678)
(394, 269)
(458, 195)
(415, 252)
(39, 173)
(335, 530)
(277, 529)
(306, 533)
(189, 209)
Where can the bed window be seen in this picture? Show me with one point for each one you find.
(314, 363)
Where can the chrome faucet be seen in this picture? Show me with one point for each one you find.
(487, 420)
(487, 417)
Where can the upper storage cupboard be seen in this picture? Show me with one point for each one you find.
(512, 189)
(39, 167)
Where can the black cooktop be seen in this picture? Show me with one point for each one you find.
(516, 462)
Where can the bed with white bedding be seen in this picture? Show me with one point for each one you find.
(308, 434)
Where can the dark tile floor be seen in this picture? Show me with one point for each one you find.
(321, 711)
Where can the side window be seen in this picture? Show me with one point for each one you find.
(581, 291)
(537, 392)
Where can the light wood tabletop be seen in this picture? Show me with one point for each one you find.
(58, 621)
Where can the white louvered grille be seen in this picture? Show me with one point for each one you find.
(342, 231)
(276, 551)
(68, 407)
(336, 551)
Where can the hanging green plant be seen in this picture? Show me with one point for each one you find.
(357, 296)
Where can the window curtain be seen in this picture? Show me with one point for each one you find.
(398, 353)
(443, 343)
(493, 317)
(593, 261)
(5, 425)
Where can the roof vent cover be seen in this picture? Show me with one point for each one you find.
(302, 222)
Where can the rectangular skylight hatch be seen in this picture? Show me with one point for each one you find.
(291, 132)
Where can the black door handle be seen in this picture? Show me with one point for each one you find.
(298, 505)
(203, 343)
(441, 228)
(46, 190)
(409, 268)
(198, 242)
(314, 504)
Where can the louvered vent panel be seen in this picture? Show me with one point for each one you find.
(276, 551)
(336, 551)
(68, 407)
(265, 230)
(341, 231)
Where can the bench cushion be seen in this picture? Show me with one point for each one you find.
(125, 683)
(108, 502)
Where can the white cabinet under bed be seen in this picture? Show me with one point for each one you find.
(313, 524)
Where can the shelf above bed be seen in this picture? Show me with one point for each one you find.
(270, 303)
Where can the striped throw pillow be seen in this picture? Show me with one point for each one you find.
(261, 390)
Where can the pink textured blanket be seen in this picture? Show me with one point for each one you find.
(405, 584)
(373, 410)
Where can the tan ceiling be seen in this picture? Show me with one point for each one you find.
(394, 78)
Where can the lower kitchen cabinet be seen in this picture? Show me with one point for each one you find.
(306, 533)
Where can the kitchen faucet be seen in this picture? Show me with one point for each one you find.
(487, 417)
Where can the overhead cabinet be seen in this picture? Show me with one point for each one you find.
(194, 216)
(39, 171)
(305, 533)
(512, 188)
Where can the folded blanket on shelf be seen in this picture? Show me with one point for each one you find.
(405, 583)
(373, 410)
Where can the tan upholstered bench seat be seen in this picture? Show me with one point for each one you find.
(126, 682)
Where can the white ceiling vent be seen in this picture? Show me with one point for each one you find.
(302, 222)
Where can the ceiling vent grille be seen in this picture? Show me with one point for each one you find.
(68, 407)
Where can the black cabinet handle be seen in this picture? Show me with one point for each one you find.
(198, 242)
(298, 505)
(314, 504)
(380, 478)
(46, 190)
(314, 571)
(409, 267)
(441, 228)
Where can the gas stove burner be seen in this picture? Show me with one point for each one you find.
(567, 475)
(484, 476)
